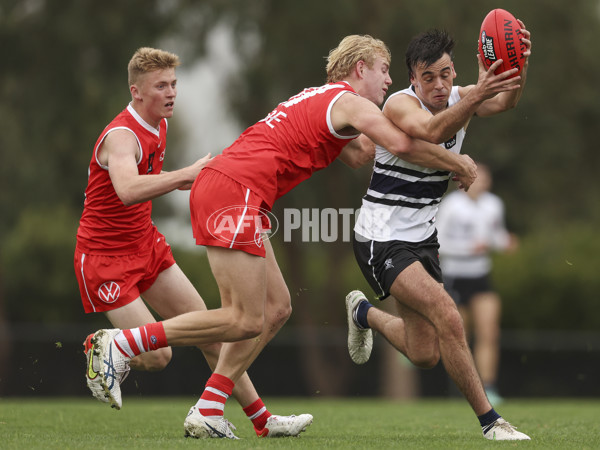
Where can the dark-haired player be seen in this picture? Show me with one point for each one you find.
(395, 237)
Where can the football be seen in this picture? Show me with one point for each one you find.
(500, 38)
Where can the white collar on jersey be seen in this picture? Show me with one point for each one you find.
(141, 121)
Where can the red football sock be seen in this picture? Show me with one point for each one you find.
(217, 391)
(140, 340)
(258, 413)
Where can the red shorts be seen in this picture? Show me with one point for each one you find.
(227, 214)
(107, 282)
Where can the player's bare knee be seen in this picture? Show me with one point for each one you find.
(279, 309)
(449, 324)
(153, 361)
(431, 361)
(455, 328)
(284, 312)
(161, 359)
(426, 360)
(279, 315)
(249, 328)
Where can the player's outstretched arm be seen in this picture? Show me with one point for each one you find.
(357, 113)
(407, 114)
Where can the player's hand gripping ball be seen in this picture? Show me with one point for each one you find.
(500, 38)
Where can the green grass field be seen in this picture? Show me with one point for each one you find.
(157, 423)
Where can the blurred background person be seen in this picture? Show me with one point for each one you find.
(471, 225)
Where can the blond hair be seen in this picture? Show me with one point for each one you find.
(351, 50)
(147, 59)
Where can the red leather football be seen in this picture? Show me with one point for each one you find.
(500, 38)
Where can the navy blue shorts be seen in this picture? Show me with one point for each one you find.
(382, 262)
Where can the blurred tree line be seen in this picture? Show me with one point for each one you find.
(63, 77)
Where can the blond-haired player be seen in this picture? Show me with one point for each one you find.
(122, 262)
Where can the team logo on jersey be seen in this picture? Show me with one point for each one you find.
(150, 161)
(109, 292)
(450, 142)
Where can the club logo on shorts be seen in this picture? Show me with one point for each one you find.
(258, 239)
(242, 225)
(109, 292)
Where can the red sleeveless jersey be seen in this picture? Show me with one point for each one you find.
(107, 226)
(286, 147)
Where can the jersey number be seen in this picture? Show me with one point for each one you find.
(275, 116)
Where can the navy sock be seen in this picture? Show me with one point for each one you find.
(488, 418)
(360, 314)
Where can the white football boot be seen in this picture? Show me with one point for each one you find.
(360, 340)
(200, 427)
(278, 426)
(110, 366)
(92, 374)
(501, 430)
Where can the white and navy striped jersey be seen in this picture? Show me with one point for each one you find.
(403, 198)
